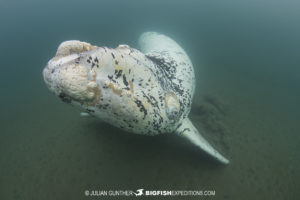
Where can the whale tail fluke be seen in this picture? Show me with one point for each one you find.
(188, 131)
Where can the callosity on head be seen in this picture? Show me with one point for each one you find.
(68, 78)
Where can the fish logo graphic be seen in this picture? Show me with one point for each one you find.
(138, 192)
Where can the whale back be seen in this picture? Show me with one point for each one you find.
(173, 70)
(176, 74)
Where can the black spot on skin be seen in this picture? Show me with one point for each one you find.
(125, 80)
(96, 60)
(129, 71)
(116, 62)
(77, 60)
(104, 107)
(52, 71)
(151, 100)
(90, 59)
(113, 55)
(105, 86)
(118, 73)
(178, 125)
(111, 78)
(90, 110)
(141, 106)
(65, 98)
(131, 51)
(156, 123)
(186, 129)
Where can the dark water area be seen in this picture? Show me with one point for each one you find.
(245, 55)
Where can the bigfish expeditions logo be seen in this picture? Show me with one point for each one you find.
(139, 192)
(143, 192)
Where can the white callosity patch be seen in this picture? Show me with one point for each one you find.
(73, 80)
(73, 46)
(67, 78)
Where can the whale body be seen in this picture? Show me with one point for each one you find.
(146, 92)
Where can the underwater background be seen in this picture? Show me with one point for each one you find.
(246, 103)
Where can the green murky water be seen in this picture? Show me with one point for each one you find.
(245, 55)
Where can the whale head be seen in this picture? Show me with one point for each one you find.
(70, 77)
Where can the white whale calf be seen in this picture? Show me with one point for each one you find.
(145, 92)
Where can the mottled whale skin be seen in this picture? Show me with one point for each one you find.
(145, 92)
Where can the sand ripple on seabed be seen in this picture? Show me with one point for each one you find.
(210, 113)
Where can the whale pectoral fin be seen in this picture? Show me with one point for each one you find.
(188, 131)
(84, 114)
